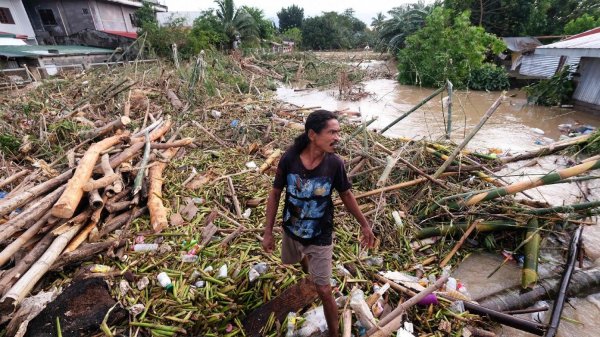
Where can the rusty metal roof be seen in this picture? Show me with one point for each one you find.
(521, 44)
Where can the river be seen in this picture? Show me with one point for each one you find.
(514, 127)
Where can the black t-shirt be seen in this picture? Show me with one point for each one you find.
(308, 210)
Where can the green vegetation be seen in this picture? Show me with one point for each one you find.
(581, 24)
(489, 77)
(290, 17)
(404, 21)
(448, 47)
(556, 90)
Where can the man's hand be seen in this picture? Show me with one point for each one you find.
(267, 242)
(367, 238)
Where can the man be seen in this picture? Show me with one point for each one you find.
(310, 171)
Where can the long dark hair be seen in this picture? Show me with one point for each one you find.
(316, 121)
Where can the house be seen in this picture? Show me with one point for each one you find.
(586, 48)
(14, 22)
(54, 21)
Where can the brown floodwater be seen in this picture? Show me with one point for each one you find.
(514, 127)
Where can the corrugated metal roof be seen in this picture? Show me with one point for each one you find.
(37, 51)
(521, 44)
(587, 45)
(588, 89)
(539, 65)
(131, 35)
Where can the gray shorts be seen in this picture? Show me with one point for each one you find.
(319, 258)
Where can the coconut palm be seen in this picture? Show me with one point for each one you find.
(237, 23)
(404, 21)
(377, 21)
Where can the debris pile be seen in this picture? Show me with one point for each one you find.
(156, 180)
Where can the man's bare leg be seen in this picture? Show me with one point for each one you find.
(304, 264)
(329, 308)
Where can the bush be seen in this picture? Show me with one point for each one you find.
(488, 77)
(556, 90)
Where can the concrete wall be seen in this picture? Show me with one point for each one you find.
(22, 25)
(114, 16)
(71, 19)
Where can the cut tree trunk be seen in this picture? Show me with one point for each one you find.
(158, 212)
(117, 124)
(69, 200)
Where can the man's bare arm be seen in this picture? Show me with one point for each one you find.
(272, 205)
(352, 207)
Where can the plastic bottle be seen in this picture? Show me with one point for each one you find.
(291, 324)
(189, 258)
(145, 247)
(165, 281)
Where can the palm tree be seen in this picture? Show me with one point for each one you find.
(377, 21)
(237, 23)
(404, 21)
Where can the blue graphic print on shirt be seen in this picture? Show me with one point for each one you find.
(308, 202)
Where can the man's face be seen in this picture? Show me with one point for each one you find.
(328, 137)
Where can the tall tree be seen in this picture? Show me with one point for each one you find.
(266, 27)
(335, 31)
(404, 21)
(290, 17)
(581, 24)
(235, 22)
(377, 21)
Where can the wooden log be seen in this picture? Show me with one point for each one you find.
(30, 215)
(121, 157)
(100, 183)
(293, 298)
(14, 177)
(95, 200)
(240, 228)
(175, 101)
(155, 134)
(120, 220)
(158, 212)
(236, 202)
(8, 205)
(482, 227)
(178, 143)
(18, 243)
(84, 253)
(25, 284)
(69, 200)
(269, 161)
(117, 207)
(117, 124)
(85, 232)
(117, 186)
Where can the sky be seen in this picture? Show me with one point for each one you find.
(364, 10)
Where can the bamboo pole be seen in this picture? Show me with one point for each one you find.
(467, 139)
(482, 227)
(559, 302)
(154, 134)
(69, 200)
(564, 209)
(25, 284)
(347, 323)
(477, 197)
(236, 202)
(552, 148)
(393, 187)
(393, 321)
(85, 252)
(95, 200)
(210, 134)
(460, 242)
(85, 232)
(420, 104)
(449, 122)
(532, 250)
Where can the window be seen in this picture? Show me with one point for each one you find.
(5, 16)
(134, 20)
(85, 11)
(47, 16)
